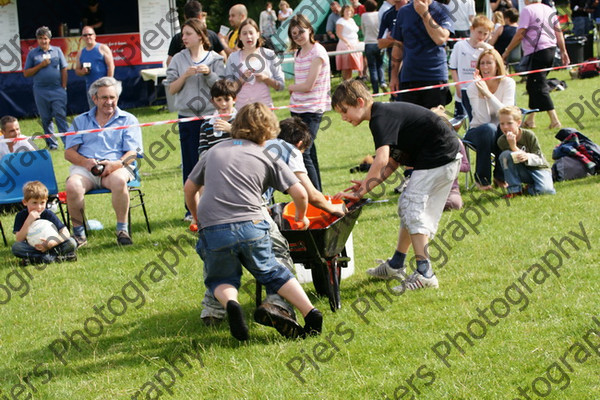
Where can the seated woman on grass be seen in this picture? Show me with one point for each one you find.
(486, 97)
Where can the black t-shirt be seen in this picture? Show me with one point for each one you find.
(46, 214)
(91, 18)
(176, 44)
(581, 7)
(423, 138)
(508, 32)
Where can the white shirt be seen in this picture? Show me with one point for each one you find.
(349, 29)
(463, 59)
(370, 26)
(296, 162)
(485, 110)
(286, 14)
(21, 145)
(459, 11)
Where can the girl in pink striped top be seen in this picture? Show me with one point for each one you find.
(310, 93)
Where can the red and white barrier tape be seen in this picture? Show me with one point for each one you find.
(189, 119)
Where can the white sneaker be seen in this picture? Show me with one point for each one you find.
(384, 271)
(417, 281)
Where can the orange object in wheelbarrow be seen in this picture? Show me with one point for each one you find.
(318, 218)
(321, 248)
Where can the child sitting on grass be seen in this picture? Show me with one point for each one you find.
(231, 178)
(522, 159)
(59, 248)
(217, 129)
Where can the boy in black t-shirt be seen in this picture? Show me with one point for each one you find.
(56, 248)
(405, 134)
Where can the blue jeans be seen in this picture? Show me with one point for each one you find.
(52, 103)
(581, 26)
(211, 306)
(463, 107)
(313, 120)
(189, 138)
(518, 174)
(25, 250)
(225, 248)
(484, 138)
(375, 63)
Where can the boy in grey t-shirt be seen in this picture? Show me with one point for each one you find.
(232, 231)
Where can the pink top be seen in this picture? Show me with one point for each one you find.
(534, 17)
(318, 100)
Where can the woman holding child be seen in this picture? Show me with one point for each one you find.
(255, 68)
(486, 97)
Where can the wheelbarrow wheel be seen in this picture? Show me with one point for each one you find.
(320, 279)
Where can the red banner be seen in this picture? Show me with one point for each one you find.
(125, 48)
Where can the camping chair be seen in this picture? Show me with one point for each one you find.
(514, 58)
(135, 194)
(18, 168)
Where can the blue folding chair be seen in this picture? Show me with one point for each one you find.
(18, 168)
(134, 187)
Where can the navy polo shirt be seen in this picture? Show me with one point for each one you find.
(388, 19)
(48, 77)
(423, 60)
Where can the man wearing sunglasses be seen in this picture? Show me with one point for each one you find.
(94, 61)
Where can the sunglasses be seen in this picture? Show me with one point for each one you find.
(298, 32)
(87, 34)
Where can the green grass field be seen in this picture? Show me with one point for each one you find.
(505, 316)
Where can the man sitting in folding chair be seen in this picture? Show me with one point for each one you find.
(103, 159)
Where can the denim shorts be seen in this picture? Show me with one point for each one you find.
(225, 248)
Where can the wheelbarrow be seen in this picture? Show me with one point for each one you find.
(321, 249)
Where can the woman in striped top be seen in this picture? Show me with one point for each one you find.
(310, 93)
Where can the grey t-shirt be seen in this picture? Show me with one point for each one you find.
(235, 173)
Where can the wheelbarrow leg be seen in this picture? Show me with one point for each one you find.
(258, 295)
(335, 301)
(335, 277)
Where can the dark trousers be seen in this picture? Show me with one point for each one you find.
(427, 98)
(189, 139)
(313, 120)
(484, 138)
(537, 86)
